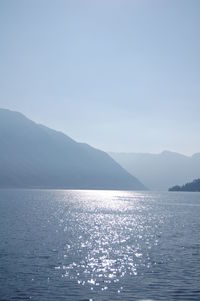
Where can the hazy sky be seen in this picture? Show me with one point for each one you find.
(120, 75)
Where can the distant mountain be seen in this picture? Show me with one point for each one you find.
(35, 156)
(192, 186)
(160, 171)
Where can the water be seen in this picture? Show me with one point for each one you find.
(99, 245)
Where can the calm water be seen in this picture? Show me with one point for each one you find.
(99, 245)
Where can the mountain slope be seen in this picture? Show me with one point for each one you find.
(193, 186)
(160, 171)
(34, 156)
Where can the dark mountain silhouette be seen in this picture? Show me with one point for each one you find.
(35, 156)
(192, 186)
(160, 171)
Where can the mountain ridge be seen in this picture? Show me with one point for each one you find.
(35, 156)
(160, 171)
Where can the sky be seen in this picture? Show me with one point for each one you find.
(120, 75)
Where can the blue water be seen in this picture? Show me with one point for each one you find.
(99, 245)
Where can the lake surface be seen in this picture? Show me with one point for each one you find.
(99, 245)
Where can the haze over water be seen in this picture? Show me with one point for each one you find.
(99, 245)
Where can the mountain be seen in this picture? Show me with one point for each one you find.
(160, 171)
(35, 156)
(192, 186)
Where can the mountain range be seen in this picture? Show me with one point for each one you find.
(35, 156)
(160, 171)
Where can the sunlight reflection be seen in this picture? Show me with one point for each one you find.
(110, 238)
(107, 199)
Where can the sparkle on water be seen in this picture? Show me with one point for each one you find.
(111, 241)
(99, 245)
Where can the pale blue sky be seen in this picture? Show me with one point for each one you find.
(120, 75)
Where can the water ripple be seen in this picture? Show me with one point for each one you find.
(99, 245)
